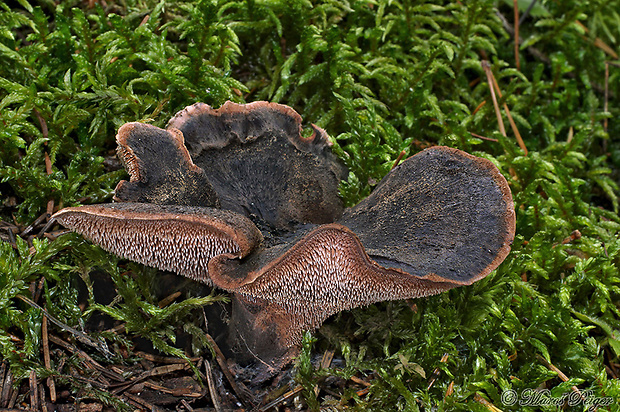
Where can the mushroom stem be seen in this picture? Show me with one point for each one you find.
(255, 335)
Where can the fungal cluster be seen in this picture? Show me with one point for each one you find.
(239, 199)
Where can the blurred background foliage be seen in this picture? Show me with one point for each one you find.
(382, 77)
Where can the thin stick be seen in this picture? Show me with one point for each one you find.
(281, 399)
(437, 372)
(141, 403)
(500, 122)
(605, 105)
(79, 335)
(42, 397)
(328, 356)
(37, 222)
(163, 359)
(178, 392)
(398, 159)
(38, 289)
(186, 405)
(513, 125)
(14, 395)
(212, 391)
(12, 239)
(561, 374)
(168, 299)
(450, 390)
(47, 227)
(88, 361)
(48, 164)
(359, 381)
(144, 20)
(158, 371)
(479, 107)
(47, 360)
(75, 375)
(598, 42)
(7, 386)
(527, 12)
(483, 137)
(221, 360)
(50, 207)
(3, 369)
(613, 64)
(34, 391)
(486, 403)
(516, 11)
(362, 392)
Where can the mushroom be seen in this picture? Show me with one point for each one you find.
(237, 198)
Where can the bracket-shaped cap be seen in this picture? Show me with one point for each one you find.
(181, 239)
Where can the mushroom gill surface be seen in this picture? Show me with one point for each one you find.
(180, 239)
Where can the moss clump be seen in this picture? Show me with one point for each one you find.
(381, 77)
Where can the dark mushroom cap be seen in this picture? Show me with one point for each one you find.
(160, 168)
(442, 215)
(250, 159)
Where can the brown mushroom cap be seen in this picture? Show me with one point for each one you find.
(442, 215)
(181, 239)
(250, 159)
(160, 168)
(206, 128)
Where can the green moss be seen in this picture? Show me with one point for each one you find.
(381, 77)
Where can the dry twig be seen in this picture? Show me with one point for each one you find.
(500, 121)
(483, 137)
(598, 42)
(35, 404)
(141, 403)
(221, 360)
(436, 372)
(212, 391)
(79, 335)
(34, 224)
(561, 374)
(494, 87)
(398, 159)
(164, 359)
(606, 101)
(46, 358)
(281, 399)
(486, 403)
(516, 35)
(160, 370)
(88, 361)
